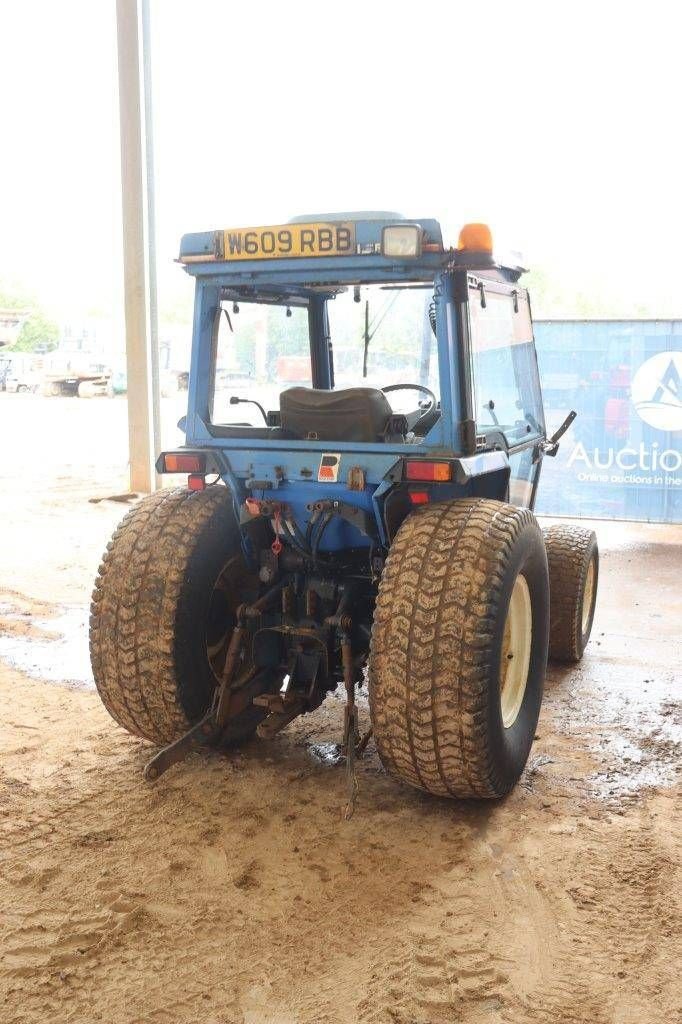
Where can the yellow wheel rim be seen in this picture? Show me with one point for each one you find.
(588, 596)
(515, 657)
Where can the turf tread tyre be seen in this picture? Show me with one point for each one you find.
(431, 658)
(140, 612)
(569, 552)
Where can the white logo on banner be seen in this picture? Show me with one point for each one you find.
(657, 391)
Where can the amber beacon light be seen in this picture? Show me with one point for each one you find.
(475, 238)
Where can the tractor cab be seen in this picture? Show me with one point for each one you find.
(356, 358)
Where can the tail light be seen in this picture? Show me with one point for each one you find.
(195, 482)
(182, 462)
(434, 472)
(419, 497)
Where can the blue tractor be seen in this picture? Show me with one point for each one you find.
(364, 440)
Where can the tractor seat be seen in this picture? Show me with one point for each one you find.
(353, 414)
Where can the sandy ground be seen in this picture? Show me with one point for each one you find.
(232, 892)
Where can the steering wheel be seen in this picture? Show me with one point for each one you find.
(414, 419)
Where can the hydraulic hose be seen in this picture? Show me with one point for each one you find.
(291, 536)
(298, 534)
(324, 523)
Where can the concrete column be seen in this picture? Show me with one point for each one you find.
(139, 274)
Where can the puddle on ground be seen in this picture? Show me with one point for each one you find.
(326, 753)
(632, 726)
(641, 738)
(56, 652)
(645, 762)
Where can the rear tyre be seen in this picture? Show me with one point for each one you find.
(459, 648)
(573, 559)
(163, 610)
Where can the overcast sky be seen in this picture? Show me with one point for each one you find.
(557, 123)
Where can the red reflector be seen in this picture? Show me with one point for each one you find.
(419, 497)
(196, 482)
(421, 470)
(175, 462)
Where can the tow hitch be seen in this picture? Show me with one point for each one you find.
(303, 687)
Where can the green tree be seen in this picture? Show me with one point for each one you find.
(37, 331)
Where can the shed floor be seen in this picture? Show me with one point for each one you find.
(232, 892)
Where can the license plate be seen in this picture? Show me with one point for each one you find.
(287, 241)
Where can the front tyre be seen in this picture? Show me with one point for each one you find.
(573, 558)
(163, 610)
(459, 648)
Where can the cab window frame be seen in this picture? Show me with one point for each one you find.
(478, 289)
(525, 452)
(293, 302)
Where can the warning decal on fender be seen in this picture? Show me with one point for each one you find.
(329, 469)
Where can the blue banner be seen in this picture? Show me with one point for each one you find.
(622, 458)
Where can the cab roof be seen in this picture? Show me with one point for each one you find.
(328, 247)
